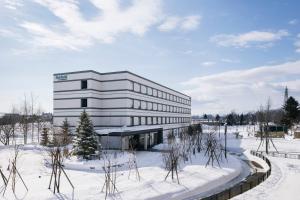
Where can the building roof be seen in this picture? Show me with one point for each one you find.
(126, 131)
(121, 72)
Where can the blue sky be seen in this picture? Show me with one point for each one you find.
(227, 54)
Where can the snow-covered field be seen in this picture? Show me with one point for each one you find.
(88, 182)
(88, 177)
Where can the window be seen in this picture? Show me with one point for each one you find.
(150, 107)
(144, 121)
(131, 121)
(140, 121)
(84, 84)
(137, 87)
(154, 92)
(83, 103)
(159, 94)
(144, 89)
(150, 91)
(154, 106)
(143, 105)
(159, 107)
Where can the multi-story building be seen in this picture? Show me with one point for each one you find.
(119, 99)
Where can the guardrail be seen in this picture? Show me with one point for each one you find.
(250, 182)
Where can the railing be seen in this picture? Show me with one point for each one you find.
(291, 155)
(250, 182)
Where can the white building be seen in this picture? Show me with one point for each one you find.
(119, 99)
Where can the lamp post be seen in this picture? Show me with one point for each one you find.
(225, 134)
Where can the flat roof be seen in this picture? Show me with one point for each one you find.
(120, 72)
(127, 131)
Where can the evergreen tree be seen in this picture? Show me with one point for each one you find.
(66, 133)
(230, 119)
(45, 137)
(242, 119)
(217, 118)
(190, 130)
(291, 112)
(85, 143)
(205, 116)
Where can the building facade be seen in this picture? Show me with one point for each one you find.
(118, 99)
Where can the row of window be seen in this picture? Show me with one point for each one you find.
(137, 87)
(144, 105)
(143, 89)
(136, 121)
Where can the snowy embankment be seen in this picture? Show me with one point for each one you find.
(88, 178)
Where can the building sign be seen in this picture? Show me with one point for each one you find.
(61, 77)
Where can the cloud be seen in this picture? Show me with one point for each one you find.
(45, 37)
(208, 63)
(293, 22)
(169, 24)
(243, 90)
(297, 43)
(226, 60)
(187, 23)
(13, 4)
(252, 38)
(7, 33)
(73, 31)
(190, 22)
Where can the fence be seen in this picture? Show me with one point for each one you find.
(292, 155)
(250, 182)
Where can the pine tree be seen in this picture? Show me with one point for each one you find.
(291, 112)
(85, 143)
(217, 118)
(242, 119)
(66, 133)
(45, 137)
(205, 116)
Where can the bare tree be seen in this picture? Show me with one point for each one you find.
(24, 121)
(6, 129)
(110, 171)
(15, 118)
(33, 115)
(57, 157)
(39, 122)
(264, 118)
(14, 173)
(172, 160)
(213, 149)
(267, 121)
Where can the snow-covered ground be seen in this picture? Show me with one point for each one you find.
(195, 179)
(285, 175)
(88, 178)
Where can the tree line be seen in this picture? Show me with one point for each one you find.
(288, 115)
(28, 118)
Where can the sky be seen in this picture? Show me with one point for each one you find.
(228, 55)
